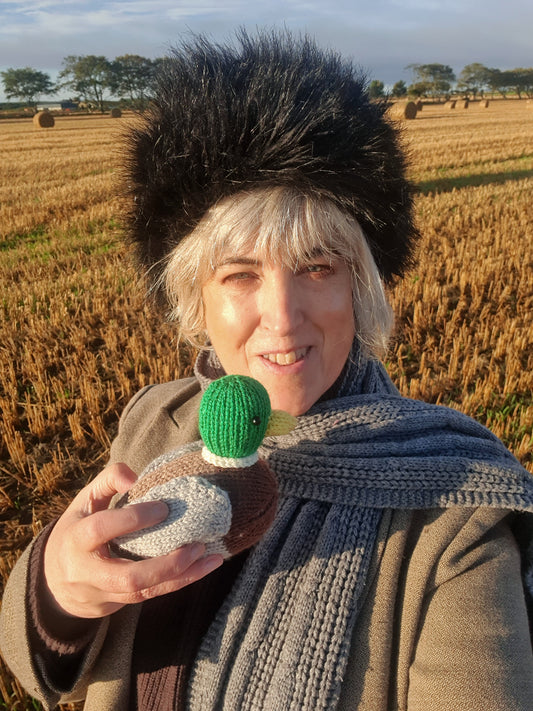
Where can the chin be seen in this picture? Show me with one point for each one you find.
(295, 405)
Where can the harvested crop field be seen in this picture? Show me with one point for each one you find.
(77, 339)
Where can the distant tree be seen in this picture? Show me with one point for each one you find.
(399, 89)
(420, 88)
(517, 80)
(473, 79)
(132, 78)
(158, 64)
(523, 81)
(90, 76)
(438, 78)
(495, 82)
(376, 89)
(26, 84)
(512, 81)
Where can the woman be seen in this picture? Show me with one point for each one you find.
(269, 206)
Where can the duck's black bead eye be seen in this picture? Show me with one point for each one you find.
(256, 420)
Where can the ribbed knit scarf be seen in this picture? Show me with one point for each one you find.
(282, 638)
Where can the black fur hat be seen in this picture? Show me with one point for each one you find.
(275, 110)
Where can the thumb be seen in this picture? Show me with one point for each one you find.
(114, 479)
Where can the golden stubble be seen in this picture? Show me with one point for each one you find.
(77, 338)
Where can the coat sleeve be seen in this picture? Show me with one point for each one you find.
(18, 648)
(472, 650)
(156, 419)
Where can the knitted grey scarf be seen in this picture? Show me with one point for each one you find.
(282, 638)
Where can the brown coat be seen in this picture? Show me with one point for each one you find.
(443, 625)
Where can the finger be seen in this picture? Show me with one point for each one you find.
(141, 588)
(195, 572)
(129, 579)
(94, 531)
(114, 479)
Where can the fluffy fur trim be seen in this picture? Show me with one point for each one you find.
(274, 110)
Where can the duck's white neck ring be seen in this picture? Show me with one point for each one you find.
(229, 462)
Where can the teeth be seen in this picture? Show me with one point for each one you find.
(285, 358)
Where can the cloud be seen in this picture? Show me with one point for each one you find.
(383, 36)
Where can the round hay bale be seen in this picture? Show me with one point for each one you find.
(43, 119)
(452, 104)
(116, 113)
(485, 104)
(465, 104)
(419, 105)
(403, 110)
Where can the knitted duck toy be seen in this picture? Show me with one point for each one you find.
(220, 493)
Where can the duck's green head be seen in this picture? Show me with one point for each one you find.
(235, 415)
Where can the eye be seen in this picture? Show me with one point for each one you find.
(239, 277)
(236, 276)
(318, 269)
(256, 420)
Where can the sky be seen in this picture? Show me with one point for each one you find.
(382, 36)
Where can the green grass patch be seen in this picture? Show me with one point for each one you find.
(446, 185)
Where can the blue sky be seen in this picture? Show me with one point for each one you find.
(383, 36)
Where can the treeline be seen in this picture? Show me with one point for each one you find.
(435, 81)
(91, 79)
(96, 80)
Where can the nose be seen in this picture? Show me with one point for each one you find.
(280, 302)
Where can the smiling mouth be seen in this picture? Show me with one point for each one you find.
(286, 358)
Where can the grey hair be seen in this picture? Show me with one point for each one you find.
(283, 226)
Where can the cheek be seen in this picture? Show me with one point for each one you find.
(338, 310)
(216, 310)
(212, 312)
(342, 307)
(339, 329)
(227, 321)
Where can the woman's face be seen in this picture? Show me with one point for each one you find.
(292, 331)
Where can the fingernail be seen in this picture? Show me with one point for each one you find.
(159, 509)
(212, 562)
(197, 550)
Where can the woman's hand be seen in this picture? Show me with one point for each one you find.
(84, 580)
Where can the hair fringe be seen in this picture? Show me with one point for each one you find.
(281, 225)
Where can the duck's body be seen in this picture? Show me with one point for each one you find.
(222, 494)
(228, 509)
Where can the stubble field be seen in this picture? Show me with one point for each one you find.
(77, 339)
